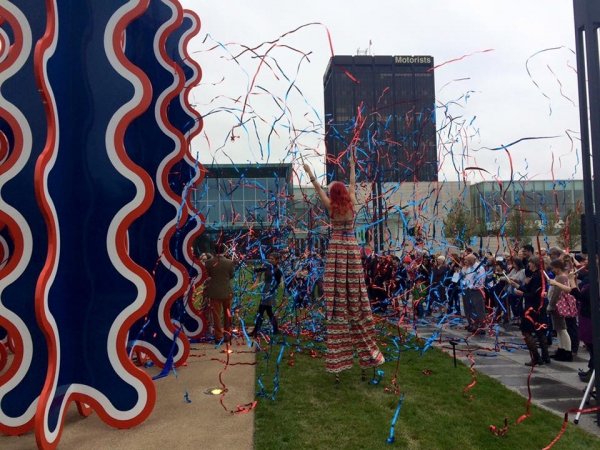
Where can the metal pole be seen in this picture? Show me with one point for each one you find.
(380, 230)
(587, 17)
(374, 235)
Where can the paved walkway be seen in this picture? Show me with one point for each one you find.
(555, 387)
(204, 423)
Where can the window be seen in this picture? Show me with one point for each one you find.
(237, 191)
(212, 189)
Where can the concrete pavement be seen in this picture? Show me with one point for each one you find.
(204, 423)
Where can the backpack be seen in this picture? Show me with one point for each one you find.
(566, 306)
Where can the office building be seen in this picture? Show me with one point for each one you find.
(386, 105)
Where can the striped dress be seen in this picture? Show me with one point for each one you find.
(350, 326)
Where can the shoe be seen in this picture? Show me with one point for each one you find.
(566, 356)
(558, 354)
(534, 363)
(547, 360)
(585, 376)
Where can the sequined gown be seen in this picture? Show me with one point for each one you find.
(350, 321)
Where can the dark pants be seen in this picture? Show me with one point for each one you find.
(437, 296)
(476, 301)
(259, 319)
(531, 340)
(379, 300)
(516, 305)
(453, 298)
(301, 299)
(573, 330)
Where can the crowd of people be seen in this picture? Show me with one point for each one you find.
(522, 287)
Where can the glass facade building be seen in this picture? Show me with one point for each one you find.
(235, 195)
(245, 204)
(537, 199)
(386, 106)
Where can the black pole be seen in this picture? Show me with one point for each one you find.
(380, 216)
(374, 235)
(587, 18)
(454, 344)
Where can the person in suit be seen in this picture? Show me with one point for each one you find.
(219, 291)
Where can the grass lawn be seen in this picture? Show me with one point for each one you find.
(311, 412)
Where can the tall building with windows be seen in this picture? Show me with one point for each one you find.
(386, 105)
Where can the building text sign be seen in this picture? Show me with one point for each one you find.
(413, 60)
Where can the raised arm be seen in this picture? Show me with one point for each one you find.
(318, 188)
(563, 287)
(352, 178)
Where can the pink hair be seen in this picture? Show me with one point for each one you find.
(340, 199)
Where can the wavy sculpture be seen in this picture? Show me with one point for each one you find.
(94, 240)
(185, 177)
(6, 143)
(90, 291)
(23, 125)
(162, 147)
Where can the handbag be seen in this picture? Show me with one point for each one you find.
(566, 306)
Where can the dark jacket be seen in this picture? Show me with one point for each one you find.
(272, 281)
(534, 310)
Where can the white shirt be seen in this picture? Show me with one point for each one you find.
(474, 276)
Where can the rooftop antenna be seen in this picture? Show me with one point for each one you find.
(366, 51)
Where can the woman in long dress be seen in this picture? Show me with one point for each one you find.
(350, 320)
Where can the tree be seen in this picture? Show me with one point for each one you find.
(551, 222)
(570, 235)
(519, 228)
(459, 225)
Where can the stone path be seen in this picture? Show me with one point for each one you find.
(555, 387)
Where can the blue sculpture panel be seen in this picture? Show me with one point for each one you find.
(186, 176)
(162, 147)
(90, 291)
(23, 237)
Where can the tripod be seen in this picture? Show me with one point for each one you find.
(586, 396)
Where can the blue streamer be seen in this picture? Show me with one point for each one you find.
(391, 439)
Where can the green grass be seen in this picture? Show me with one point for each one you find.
(311, 412)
